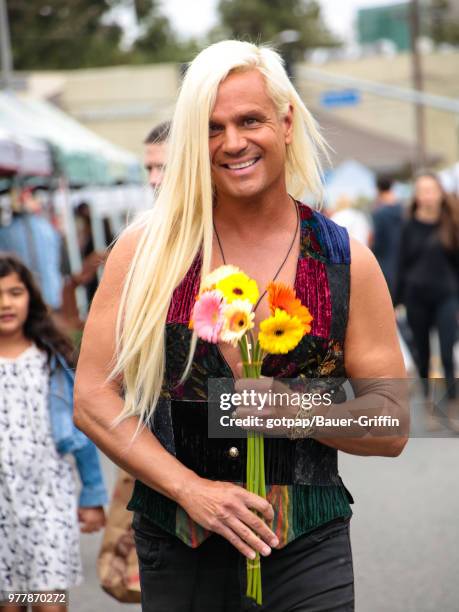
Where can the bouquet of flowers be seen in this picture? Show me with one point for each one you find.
(224, 312)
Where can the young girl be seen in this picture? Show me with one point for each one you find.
(39, 535)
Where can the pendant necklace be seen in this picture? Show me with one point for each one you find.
(283, 261)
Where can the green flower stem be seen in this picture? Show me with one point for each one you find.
(262, 470)
(255, 469)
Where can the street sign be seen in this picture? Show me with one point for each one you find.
(338, 98)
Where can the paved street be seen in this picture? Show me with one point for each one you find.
(404, 532)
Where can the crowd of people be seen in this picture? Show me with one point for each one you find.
(417, 247)
(240, 151)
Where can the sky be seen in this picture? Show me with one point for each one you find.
(190, 20)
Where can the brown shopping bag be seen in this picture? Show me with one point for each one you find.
(117, 563)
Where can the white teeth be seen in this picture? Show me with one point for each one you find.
(242, 165)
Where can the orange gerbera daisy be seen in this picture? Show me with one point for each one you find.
(284, 297)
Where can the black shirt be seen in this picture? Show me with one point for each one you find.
(426, 266)
(387, 226)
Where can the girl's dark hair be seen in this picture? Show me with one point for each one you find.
(39, 325)
(448, 230)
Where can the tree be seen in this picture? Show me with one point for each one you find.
(443, 22)
(62, 34)
(263, 20)
(158, 41)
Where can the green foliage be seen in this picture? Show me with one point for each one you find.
(263, 20)
(159, 42)
(444, 28)
(62, 34)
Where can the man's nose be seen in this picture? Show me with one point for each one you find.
(234, 141)
(155, 177)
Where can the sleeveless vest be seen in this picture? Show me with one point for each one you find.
(303, 484)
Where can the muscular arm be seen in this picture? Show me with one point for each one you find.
(221, 507)
(372, 354)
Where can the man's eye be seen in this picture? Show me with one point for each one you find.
(214, 129)
(251, 121)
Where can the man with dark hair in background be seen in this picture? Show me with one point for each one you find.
(387, 224)
(155, 153)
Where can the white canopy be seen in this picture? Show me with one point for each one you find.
(21, 154)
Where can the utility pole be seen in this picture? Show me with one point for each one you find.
(5, 48)
(418, 85)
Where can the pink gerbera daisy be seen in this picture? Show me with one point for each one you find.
(208, 316)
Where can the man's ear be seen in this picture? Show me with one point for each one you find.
(288, 125)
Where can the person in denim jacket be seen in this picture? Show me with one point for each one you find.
(39, 510)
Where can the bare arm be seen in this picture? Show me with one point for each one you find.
(221, 507)
(372, 353)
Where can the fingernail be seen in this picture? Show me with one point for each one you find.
(252, 555)
(274, 542)
(266, 551)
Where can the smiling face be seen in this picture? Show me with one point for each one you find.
(14, 305)
(247, 139)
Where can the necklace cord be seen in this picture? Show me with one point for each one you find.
(283, 261)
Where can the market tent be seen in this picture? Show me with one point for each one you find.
(351, 180)
(23, 155)
(82, 156)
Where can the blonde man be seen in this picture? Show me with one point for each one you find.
(242, 148)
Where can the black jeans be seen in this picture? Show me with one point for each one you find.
(314, 573)
(423, 314)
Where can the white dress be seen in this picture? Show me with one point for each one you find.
(39, 531)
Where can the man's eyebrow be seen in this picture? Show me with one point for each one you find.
(254, 112)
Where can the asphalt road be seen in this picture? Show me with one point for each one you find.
(405, 532)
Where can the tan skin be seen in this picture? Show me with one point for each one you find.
(14, 306)
(155, 161)
(244, 126)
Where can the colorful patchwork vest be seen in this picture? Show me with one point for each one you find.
(303, 484)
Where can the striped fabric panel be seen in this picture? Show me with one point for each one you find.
(184, 296)
(313, 290)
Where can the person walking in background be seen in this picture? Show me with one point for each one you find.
(387, 219)
(428, 281)
(91, 259)
(39, 541)
(387, 226)
(155, 153)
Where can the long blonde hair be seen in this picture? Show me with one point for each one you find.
(181, 223)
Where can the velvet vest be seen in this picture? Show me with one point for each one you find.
(303, 483)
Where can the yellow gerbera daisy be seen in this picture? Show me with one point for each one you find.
(238, 319)
(211, 279)
(238, 287)
(281, 333)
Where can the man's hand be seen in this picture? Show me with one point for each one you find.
(91, 519)
(227, 509)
